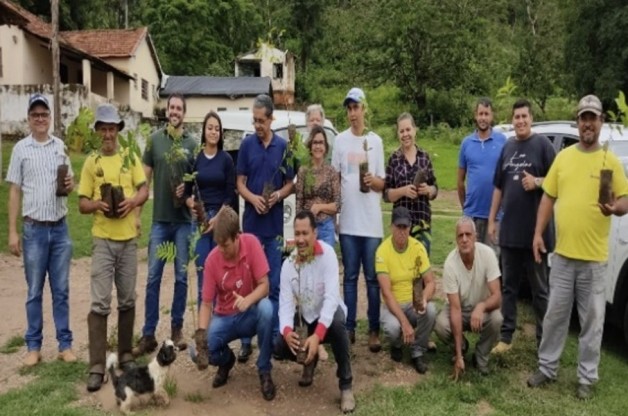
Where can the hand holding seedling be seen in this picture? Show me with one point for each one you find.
(458, 368)
(259, 204)
(126, 206)
(274, 198)
(424, 189)
(69, 183)
(241, 303)
(368, 179)
(292, 340)
(538, 247)
(311, 346)
(528, 181)
(99, 205)
(410, 191)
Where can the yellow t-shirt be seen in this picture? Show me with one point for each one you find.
(401, 267)
(573, 179)
(118, 229)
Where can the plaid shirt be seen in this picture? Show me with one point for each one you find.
(400, 173)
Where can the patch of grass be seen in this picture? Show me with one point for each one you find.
(171, 386)
(51, 393)
(195, 397)
(13, 344)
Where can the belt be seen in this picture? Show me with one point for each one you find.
(44, 223)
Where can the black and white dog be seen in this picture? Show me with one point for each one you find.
(143, 380)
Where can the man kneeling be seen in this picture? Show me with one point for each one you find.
(310, 277)
(235, 286)
(471, 282)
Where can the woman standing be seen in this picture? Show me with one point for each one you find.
(214, 184)
(410, 180)
(318, 186)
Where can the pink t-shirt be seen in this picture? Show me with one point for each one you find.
(221, 277)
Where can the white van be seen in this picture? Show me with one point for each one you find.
(238, 124)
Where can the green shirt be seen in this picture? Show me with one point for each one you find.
(166, 175)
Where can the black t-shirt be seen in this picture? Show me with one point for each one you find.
(534, 156)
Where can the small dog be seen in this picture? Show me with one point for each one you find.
(143, 380)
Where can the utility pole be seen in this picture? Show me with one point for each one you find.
(56, 61)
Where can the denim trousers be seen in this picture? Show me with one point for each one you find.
(47, 251)
(179, 234)
(336, 336)
(254, 321)
(326, 231)
(204, 246)
(358, 251)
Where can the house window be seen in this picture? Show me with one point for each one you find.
(244, 108)
(63, 73)
(1, 63)
(135, 81)
(144, 89)
(278, 71)
(249, 69)
(222, 108)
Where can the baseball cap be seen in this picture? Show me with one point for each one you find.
(356, 95)
(107, 113)
(590, 103)
(38, 99)
(401, 216)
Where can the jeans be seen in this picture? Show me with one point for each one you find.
(204, 246)
(517, 264)
(326, 231)
(47, 250)
(272, 250)
(355, 251)
(254, 321)
(179, 234)
(336, 336)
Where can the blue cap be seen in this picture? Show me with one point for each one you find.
(108, 114)
(38, 99)
(355, 95)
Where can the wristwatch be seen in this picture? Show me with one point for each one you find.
(538, 182)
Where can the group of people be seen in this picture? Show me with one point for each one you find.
(507, 189)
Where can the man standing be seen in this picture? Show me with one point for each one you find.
(361, 228)
(399, 259)
(471, 283)
(521, 167)
(476, 165)
(264, 179)
(314, 116)
(310, 276)
(114, 256)
(169, 154)
(579, 261)
(45, 241)
(234, 302)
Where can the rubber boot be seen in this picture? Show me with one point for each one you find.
(97, 333)
(126, 320)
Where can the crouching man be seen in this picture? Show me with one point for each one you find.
(309, 297)
(114, 257)
(399, 259)
(471, 282)
(234, 302)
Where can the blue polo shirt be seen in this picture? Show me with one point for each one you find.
(260, 165)
(479, 158)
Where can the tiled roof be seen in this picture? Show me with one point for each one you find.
(107, 43)
(34, 24)
(217, 86)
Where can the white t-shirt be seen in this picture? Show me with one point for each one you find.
(361, 213)
(471, 284)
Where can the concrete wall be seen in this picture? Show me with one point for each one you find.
(198, 107)
(12, 43)
(14, 105)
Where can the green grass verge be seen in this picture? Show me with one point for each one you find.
(52, 393)
(12, 345)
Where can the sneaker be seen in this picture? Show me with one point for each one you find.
(374, 344)
(95, 381)
(245, 353)
(32, 358)
(147, 344)
(220, 379)
(419, 365)
(347, 401)
(538, 379)
(396, 354)
(67, 356)
(351, 335)
(267, 385)
(501, 348)
(584, 391)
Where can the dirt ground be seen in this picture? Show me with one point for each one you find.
(241, 395)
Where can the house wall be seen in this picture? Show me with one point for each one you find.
(198, 107)
(13, 44)
(141, 66)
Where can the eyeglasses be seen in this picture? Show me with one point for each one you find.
(318, 142)
(41, 116)
(259, 120)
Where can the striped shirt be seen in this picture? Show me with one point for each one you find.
(33, 167)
